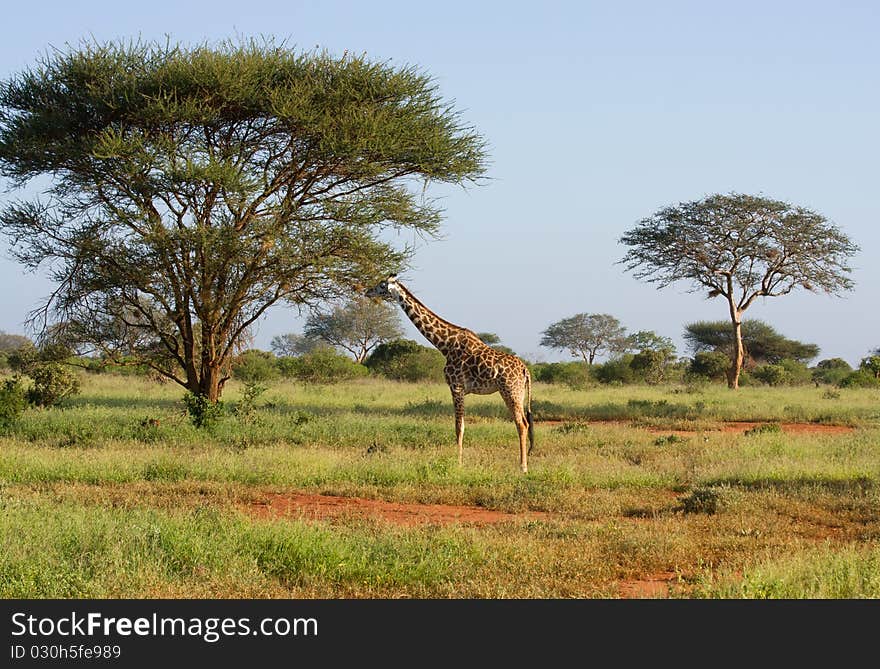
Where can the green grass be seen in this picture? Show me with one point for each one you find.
(118, 495)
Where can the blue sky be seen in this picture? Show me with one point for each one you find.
(596, 115)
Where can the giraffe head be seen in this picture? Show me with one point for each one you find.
(387, 289)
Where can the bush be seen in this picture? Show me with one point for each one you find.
(255, 366)
(618, 370)
(575, 375)
(13, 401)
(406, 360)
(246, 409)
(325, 366)
(53, 382)
(785, 373)
(871, 365)
(650, 366)
(771, 375)
(831, 371)
(712, 365)
(796, 372)
(859, 379)
(202, 412)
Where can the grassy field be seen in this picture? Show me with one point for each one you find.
(632, 491)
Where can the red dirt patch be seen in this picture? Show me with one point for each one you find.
(320, 507)
(729, 427)
(653, 585)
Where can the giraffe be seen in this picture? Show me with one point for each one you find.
(471, 366)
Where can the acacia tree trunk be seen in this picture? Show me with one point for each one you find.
(208, 382)
(738, 350)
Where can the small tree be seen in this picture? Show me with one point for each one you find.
(586, 335)
(648, 340)
(740, 247)
(357, 327)
(293, 344)
(493, 340)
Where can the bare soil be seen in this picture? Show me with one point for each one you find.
(651, 586)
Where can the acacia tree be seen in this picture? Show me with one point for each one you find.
(492, 340)
(761, 342)
(586, 335)
(357, 327)
(193, 188)
(292, 344)
(740, 247)
(648, 340)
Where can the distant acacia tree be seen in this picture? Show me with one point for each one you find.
(761, 342)
(648, 340)
(292, 344)
(357, 327)
(586, 335)
(493, 340)
(740, 247)
(193, 188)
(13, 342)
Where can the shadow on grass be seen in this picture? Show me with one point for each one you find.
(124, 402)
(428, 408)
(835, 484)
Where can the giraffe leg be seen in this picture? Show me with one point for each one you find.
(458, 403)
(514, 402)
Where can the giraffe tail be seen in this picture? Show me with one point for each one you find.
(529, 418)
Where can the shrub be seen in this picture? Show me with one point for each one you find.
(796, 372)
(202, 412)
(255, 366)
(784, 373)
(575, 375)
(712, 365)
(618, 370)
(772, 375)
(859, 379)
(871, 365)
(246, 409)
(325, 366)
(13, 401)
(650, 365)
(406, 360)
(53, 382)
(764, 428)
(831, 371)
(701, 500)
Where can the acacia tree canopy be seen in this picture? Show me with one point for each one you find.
(762, 343)
(193, 188)
(740, 247)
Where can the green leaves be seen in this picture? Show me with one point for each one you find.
(211, 182)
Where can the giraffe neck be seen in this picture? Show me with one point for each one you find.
(441, 333)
